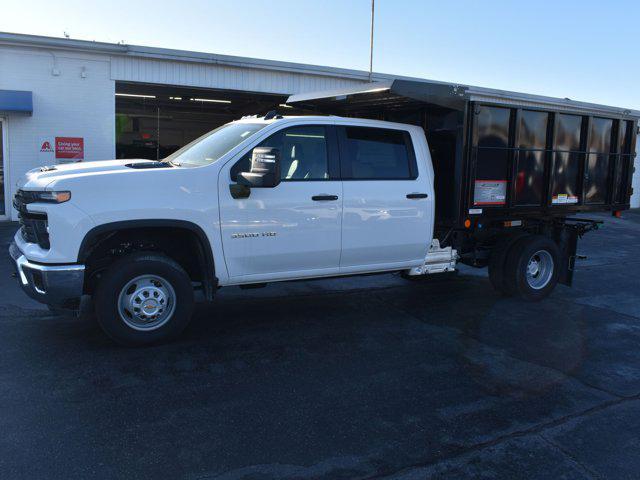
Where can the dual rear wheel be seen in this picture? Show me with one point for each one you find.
(527, 266)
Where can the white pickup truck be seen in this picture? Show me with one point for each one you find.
(258, 200)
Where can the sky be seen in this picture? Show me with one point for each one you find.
(585, 50)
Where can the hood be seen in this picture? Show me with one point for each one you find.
(42, 177)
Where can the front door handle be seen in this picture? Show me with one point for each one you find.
(414, 196)
(320, 198)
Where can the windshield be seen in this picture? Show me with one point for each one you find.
(210, 147)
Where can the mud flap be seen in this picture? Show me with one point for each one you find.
(567, 240)
(566, 236)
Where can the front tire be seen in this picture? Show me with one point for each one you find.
(532, 267)
(144, 298)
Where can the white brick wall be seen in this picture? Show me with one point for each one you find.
(63, 105)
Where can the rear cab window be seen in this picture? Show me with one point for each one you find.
(371, 153)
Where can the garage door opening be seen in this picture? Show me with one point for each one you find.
(3, 208)
(153, 121)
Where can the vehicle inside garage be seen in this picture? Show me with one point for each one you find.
(153, 121)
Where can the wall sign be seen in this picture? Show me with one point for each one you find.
(61, 149)
(70, 148)
(45, 146)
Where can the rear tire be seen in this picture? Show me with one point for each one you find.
(144, 298)
(497, 262)
(532, 266)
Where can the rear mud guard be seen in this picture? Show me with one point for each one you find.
(566, 236)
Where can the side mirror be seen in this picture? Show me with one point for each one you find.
(265, 169)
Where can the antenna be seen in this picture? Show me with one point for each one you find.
(371, 42)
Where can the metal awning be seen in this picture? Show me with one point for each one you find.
(16, 101)
(402, 93)
(388, 94)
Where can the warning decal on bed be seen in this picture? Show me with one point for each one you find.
(563, 198)
(490, 192)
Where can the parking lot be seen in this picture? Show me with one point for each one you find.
(370, 377)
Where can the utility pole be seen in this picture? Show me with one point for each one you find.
(157, 133)
(371, 43)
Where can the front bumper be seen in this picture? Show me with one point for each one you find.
(56, 285)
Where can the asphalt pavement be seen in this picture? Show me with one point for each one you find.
(368, 377)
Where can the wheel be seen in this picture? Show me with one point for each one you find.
(144, 298)
(497, 262)
(532, 267)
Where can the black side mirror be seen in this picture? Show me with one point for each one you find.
(265, 169)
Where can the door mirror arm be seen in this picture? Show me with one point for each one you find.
(239, 191)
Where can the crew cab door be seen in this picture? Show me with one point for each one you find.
(291, 230)
(388, 198)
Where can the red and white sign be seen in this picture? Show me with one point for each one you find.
(70, 148)
(46, 147)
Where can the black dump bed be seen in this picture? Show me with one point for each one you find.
(502, 155)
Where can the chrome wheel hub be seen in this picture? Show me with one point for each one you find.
(533, 268)
(539, 269)
(147, 302)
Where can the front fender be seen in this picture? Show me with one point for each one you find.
(67, 226)
(207, 261)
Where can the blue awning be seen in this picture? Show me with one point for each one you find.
(16, 101)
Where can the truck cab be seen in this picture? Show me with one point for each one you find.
(258, 200)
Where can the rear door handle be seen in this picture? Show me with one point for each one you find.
(414, 196)
(320, 198)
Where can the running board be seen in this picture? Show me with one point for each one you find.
(438, 260)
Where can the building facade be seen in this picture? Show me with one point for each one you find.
(68, 100)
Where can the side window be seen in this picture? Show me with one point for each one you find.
(378, 154)
(303, 153)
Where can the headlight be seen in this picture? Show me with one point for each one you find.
(52, 197)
